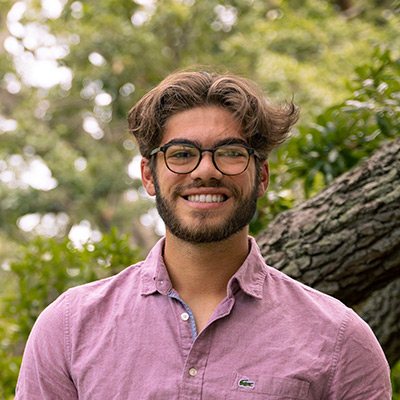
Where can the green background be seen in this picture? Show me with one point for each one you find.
(341, 66)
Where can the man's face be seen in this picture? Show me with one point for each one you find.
(205, 205)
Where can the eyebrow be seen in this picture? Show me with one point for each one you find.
(232, 140)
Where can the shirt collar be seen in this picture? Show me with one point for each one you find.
(154, 277)
(250, 276)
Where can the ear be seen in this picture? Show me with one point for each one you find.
(264, 178)
(147, 177)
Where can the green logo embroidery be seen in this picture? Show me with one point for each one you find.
(246, 383)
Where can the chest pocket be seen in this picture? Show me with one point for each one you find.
(257, 387)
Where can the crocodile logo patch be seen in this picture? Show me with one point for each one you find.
(246, 383)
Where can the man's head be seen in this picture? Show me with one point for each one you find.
(205, 139)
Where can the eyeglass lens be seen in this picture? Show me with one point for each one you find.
(229, 159)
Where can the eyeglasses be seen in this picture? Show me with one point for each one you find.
(183, 158)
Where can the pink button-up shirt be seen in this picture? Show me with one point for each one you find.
(132, 337)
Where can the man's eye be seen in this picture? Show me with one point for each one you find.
(232, 153)
(182, 154)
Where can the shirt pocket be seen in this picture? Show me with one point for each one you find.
(257, 387)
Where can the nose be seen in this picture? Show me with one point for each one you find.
(206, 169)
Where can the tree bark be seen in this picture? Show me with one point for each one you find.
(346, 240)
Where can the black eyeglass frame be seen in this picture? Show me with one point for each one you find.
(250, 152)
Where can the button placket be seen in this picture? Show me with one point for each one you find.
(187, 313)
(195, 367)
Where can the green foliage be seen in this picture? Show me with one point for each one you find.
(306, 48)
(340, 138)
(345, 134)
(42, 271)
(396, 381)
(123, 48)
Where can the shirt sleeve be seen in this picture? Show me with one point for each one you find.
(360, 370)
(45, 371)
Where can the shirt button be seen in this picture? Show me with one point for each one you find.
(184, 316)
(192, 371)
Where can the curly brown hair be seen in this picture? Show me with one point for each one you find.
(265, 125)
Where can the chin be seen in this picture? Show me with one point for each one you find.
(205, 234)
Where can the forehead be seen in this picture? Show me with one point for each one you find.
(205, 125)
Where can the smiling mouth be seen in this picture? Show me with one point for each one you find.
(206, 198)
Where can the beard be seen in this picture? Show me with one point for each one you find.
(205, 232)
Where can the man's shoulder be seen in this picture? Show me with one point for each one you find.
(308, 309)
(292, 296)
(87, 303)
(129, 279)
(108, 295)
(302, 299)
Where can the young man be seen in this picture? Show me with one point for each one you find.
(203, 317)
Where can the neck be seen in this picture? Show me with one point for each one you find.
(204, 269)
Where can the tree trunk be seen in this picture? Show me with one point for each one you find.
(344, 5)
(346, 240)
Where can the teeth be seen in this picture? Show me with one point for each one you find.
(206, 198)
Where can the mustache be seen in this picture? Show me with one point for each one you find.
(212, 183)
